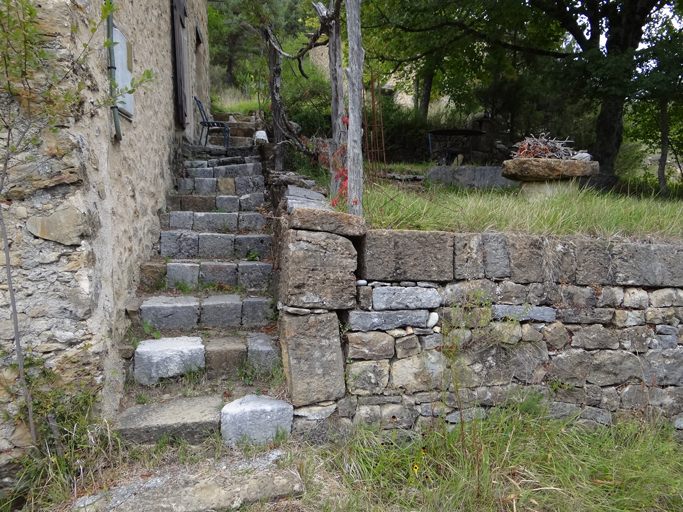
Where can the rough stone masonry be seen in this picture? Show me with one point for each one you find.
(398, 328)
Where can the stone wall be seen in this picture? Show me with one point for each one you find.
(81, 225)
(396, 328)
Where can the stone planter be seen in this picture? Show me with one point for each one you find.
(543, 177)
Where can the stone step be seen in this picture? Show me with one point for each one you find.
(225, 171)
(197, 152)
(252, 275)
(187, 244)
(224, 356)
(240, 185)
(217, 222)
(215, 203)
(186, 312)
(214, 162)
(190, 419)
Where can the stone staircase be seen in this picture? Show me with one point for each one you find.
(213, 272)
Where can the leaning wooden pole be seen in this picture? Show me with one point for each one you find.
(355, 77)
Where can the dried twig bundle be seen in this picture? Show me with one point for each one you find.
(543, 147)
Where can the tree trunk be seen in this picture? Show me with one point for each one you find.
(337, 106)
(355, 78)
(608, 136)
(275, 68)
(664, 129)
(416, 94)
(426, 92)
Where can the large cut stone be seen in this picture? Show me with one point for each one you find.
(225, 357)
(496, 256)
(384, 320)
(312, 357)
(524, 313)
(488, 363)
(643, 264)
(526, 258)
(167, 357)
(570, 367)
(546, 169)
(665, 367)
(368, 377)
(423, 372)
(190, 419)
(593, 262)
(317, 270)
(65, 226)
(222, 311)
(396, 297)
(369, 345)
(401, 255)
(262, 353)
(595, 337)
(255, 420)
(313, 219)
(171, 312)
(613, 367)
(469, 256)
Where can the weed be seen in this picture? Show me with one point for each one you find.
(182, 287)
(252, 255)
(141, 398)
(132, 338)
(151, 330)
(167, 259)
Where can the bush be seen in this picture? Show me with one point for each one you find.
(307, 101)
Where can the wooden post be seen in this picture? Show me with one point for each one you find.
(337, 107)
(354, 74)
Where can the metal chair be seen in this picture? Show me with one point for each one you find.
(206, 124)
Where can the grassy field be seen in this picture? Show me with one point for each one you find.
(388, 205)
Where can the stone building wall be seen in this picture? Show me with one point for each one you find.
(396, 328)
(81, 225)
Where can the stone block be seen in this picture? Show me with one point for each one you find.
(317, 270)
(171, 312)
(205, 186)
(664, 367)
(224, 357)
(423, 372)
(595, 337)
(249, 185)
(496, 257)
(194, 164)
(255, 420)
(396, 297)
(257, 311)
(313, 219)
(394, 416)
(251, 202)
(197, 203)
(346, 407)
(524, 313)
(641, 264)
(469, 256)
(215, 245)
(664, 341)
(303, 193)
(614, 367)
(578, 296)
(173, 202)
(512, 293)
(228, 204)
(526, 258)
(398, 255)
(661, 316)
(570, 367)
(253, 244)
(368, 415)
(385, 320)
(364, 297)
(471, 293)
(181, 220)
(226, 186)
(189, 419)
(237, 170)
(639, 397)
(431, 341)
(215, 222)
(529, 333)
(200, 172)
(184, 185)
(664, 298)
(290, 204)
(179, 244)
(555, 335)
(625, 318)
(182, 273)
(635, 339)
(312, 357)
(563, 411)
(585, 316)
(369, 345)
(367, 377)
(213, 272)
(167, 357)
(636, 298)
(221, 311)
(610, 296)
(407, 346)
(509, 333)
(251, 221)
(254, 275)
(473, 413)
(559, 260)
(593, 262)
(262, 352)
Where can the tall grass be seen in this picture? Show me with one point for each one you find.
(514, 460)
(586, 212)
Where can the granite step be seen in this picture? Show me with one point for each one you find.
(186, 244)
(225, 171)
(217, 222)
(197, 152)
(250, 275)
(215, 203)
(235, 185)
(187, 312)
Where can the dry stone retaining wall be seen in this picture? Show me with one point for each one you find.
(396, 328)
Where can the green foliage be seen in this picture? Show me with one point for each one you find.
(150, 330)
(307, 101)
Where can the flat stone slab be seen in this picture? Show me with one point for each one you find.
(255, 420)
(384, 320)
(189, 419)
(469, 176)
(199, 493)
(547, 169)
(167, 357)
(524, 313)
(397, 297)
(171, 312)
(313, 219)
